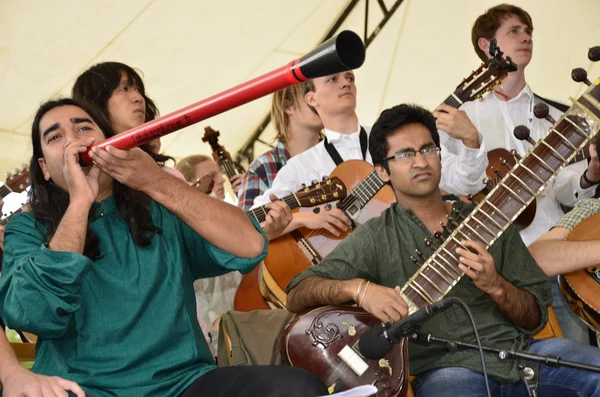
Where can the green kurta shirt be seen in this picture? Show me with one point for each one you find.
(122, 325)
(380, 251)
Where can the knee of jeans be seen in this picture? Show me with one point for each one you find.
(444, 376)
(567, 349)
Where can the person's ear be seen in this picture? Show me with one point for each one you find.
(44, 168)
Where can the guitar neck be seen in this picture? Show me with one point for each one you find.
(4, 191)
(361, 194)
(454, 99)
(502, 205)
(260, 213)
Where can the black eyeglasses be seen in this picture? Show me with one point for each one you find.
(410, 154)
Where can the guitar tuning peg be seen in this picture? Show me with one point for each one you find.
(328, 207)
(523, 133)
(579, 75)
(542, 111)
(516, 155)
(594, 54)
(497, 172)
(316, 210)
(24, 166)
(8, 175)
(323, 179)
(504, 163)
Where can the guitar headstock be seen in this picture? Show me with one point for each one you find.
(19, 180)
(487, 76)
(212, 138)
(331, 189)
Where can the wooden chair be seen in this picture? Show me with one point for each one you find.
(551, 330)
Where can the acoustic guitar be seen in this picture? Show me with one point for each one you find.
(291, 254)
(581, 288)
(307, 341)
(248, 295)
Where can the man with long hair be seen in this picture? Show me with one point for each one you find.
(102, 269)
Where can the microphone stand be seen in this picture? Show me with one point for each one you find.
(529, 363)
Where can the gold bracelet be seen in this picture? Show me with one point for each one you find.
(364, 294)
(362, 281)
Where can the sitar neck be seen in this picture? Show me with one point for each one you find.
(502, 205)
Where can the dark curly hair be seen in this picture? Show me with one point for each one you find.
(389, 121)
(49, 202)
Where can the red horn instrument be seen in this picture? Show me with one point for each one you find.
(342, 52)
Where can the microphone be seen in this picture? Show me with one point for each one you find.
(377, 342)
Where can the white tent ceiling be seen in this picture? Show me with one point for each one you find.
(188, 50)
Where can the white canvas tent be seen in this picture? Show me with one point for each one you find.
(188, 50)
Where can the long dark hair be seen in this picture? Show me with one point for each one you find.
(49, 202)
(96, 85)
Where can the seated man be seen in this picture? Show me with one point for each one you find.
(102, 269)
(505, 289)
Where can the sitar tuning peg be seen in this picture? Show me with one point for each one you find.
(488, 182)
(579, 75)
(497, 172)
(430, 244)
(420, 254)
(471, 198)
(542, 111)
(522, 133)
(504, 163)
(416, 261)
(594, 54)
(445, 227)
(439, 237)
(516, 155)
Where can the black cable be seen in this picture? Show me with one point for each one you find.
(470, 315)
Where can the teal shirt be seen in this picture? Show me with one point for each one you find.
(380, 251)
(124, 324)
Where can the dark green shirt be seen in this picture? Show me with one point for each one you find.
(380, 251)
(124, 324)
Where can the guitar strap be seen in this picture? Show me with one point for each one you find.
(335, 155)
(560, 106)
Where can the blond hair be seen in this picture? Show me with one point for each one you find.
(187, 164)
(282, 100)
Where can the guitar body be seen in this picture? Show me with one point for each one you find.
(581, 288)
(248, 296)
(495, 158)
(289, 255)
(313, 340)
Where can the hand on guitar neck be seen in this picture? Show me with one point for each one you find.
(278, 217)
(457, 124)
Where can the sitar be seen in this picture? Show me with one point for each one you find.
(324, 340)
(248, 295)
(289, 255)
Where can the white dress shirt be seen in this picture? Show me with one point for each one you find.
(314, 164)
(463, 168)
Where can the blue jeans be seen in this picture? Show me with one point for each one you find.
(554, 382)
(571, 326)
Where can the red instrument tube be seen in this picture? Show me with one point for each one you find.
(343, 52)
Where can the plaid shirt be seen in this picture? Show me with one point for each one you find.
(261, 174)
(583, 209)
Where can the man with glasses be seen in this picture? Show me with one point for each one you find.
(506, 290)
